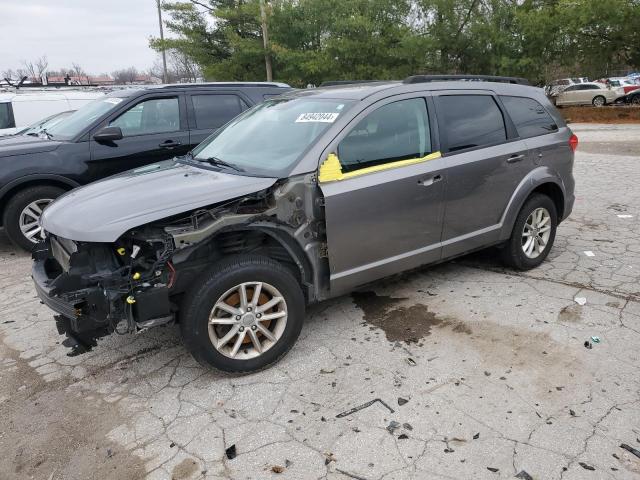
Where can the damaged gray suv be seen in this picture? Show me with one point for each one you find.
(302, 198)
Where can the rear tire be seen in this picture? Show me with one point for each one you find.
(515, 252)
(18, 215)
(221, 285)
(599, 101)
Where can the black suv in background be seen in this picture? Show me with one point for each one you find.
(120, 131)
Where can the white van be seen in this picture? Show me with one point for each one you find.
(23, 108)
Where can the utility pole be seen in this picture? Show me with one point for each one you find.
(265, 40)
(165, 77)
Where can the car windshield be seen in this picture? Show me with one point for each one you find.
(268, 139)
(47, 123)
(75, 123)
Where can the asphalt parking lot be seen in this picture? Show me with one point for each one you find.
(461, 371)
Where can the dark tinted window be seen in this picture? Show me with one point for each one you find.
(470, 121)
(530, 118)
(151, 116)
(572, 88)
(590, 87)
(397, 131)
(213, 111)
(6, 116)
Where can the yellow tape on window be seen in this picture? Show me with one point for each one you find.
(331, 170)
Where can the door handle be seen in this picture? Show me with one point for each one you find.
(169, 144)
(430, 181)
(515, 158)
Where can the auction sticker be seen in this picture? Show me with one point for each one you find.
(328, 117)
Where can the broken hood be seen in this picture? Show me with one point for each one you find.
(104, 210)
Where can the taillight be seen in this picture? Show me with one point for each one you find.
(573, 142)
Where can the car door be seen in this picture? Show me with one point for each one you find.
(208, 111)
(154, 128)
(485, 161)
(569, 96)
(382, 182)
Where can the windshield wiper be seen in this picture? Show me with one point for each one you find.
(44, 130)
(220, 163)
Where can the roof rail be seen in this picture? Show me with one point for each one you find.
(468, 78)
(333, 83)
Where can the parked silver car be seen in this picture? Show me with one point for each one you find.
(592, 93)
(303, 198)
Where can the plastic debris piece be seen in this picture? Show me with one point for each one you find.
(327, 370)
(572, 413)
(402, 401)
(277, 469)
(407, 426)
(586, 466)
(588, 345)
(595, 339)
(493, 469)
(231, 452)
(393, 426)
(589, 253)
(524, 475)
(411, 361)
(403, 436)
(630, 449)
(580, 300)
(476, 436)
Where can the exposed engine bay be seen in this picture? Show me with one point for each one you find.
(137, 282)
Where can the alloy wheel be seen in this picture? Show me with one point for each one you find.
(29, 220)
(536, 232)
(247, 320)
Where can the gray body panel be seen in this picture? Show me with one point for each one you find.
(104, 210)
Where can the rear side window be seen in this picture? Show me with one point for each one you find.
(393, 132)
(213, 111)
(529, 117)
(470, 121)
(6, 116)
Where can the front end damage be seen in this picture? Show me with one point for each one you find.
(138, 281)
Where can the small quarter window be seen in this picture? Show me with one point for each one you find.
(470, 121)
(393, 132)
(529, 117)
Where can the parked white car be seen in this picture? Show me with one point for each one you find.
(557, 86)
(591, 93)
(21, 109)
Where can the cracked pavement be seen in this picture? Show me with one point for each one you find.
(494, 380)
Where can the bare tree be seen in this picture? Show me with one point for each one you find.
(36, 68)
(77, 71)
(183, 67)
(124, 76)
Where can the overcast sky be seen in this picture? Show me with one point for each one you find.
(100, 35)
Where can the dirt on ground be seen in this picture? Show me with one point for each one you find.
(56, 433)
(608, 114)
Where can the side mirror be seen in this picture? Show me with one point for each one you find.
(108, 134)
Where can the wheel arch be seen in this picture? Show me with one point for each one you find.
(272, 242)
(28, 181)
(542, 180)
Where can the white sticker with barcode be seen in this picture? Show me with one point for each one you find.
(328, 117)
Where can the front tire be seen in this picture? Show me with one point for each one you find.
(22, 214)
(243, 315)
(533, 234)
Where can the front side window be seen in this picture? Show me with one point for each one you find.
(268, 139)
(157, 115)
(470, 121)
(529, 117)
(393, 132)
(213, 111)
(6, 116)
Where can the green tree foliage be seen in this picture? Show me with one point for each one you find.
(316, 40)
